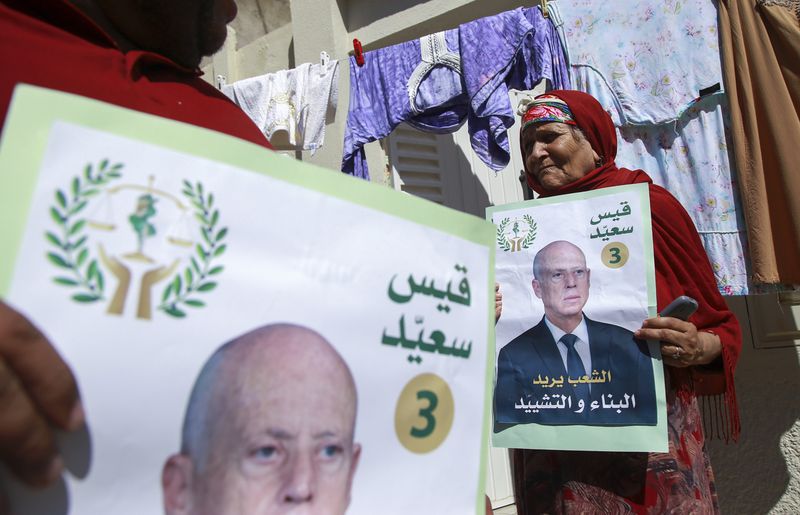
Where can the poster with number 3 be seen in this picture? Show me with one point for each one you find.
(250, 334)
(577, 278)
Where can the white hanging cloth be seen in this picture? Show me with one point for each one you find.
(290, 107)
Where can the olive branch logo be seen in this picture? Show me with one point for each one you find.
(516, 242)
(502, 241)
(72, 254)
(532, 227)
(196, 279)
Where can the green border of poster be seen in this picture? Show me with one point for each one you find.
(33, 110)
(587, 438)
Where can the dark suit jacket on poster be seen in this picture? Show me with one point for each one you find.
(533, 355)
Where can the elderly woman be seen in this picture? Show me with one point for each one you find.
(569, 144)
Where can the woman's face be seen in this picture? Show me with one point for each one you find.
(555, 155)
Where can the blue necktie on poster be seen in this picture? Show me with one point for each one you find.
(575, 368)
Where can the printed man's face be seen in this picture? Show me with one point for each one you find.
(564, 282)
(284, 442)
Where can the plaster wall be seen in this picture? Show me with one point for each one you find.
(379, 24)
(257, 18)
(266, 54)
(761, 473)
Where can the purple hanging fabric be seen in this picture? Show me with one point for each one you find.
(512, 50)
(395, 85)
(438, 81)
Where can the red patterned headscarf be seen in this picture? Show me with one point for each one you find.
(545, 109)
(595, 123)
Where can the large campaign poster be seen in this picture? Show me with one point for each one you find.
(577, 278)
(245, 329)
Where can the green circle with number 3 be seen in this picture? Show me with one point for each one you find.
(424, 413)
(615, 255)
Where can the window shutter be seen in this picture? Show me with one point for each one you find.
(417, 163)
(443, 168)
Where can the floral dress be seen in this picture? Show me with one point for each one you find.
(679, 481)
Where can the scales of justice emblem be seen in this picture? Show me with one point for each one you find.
(121, 243)
(515, 234)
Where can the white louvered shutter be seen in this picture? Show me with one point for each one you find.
(444, 169)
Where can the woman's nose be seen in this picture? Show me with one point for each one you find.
(538, 150)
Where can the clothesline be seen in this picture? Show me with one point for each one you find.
(324, 59)
(358, 51)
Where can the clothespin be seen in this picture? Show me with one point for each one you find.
(221, 81)
(544, 8)
(358, 52)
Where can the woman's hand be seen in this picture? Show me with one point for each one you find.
(682, 345)
(498, 302)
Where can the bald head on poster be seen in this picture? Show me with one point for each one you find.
(269, 429)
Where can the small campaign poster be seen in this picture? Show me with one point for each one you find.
(250, 334)
(577, 278)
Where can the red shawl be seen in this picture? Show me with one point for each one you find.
(681, 263)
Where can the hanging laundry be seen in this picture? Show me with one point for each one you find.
(290, 107)
(437, 82)
(389, 90)
(760, 42)
(660, 79)
(505, 52)
(662, 55)
(691, 160)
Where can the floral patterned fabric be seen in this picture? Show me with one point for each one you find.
(661, 55)
(678, 481)
(691, 160)
(648, 78)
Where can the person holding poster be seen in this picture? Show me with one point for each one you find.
(596, 363)
(269, 428)
(568, 144)
(140, 55)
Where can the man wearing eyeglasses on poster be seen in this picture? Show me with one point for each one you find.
(569, 369)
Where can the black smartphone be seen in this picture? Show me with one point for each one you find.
(681, 308)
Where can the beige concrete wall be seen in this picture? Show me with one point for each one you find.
(761, 473)
(379, 24)
(257, 18)
(266, 54)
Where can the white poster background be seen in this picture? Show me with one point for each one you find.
(293, 255)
